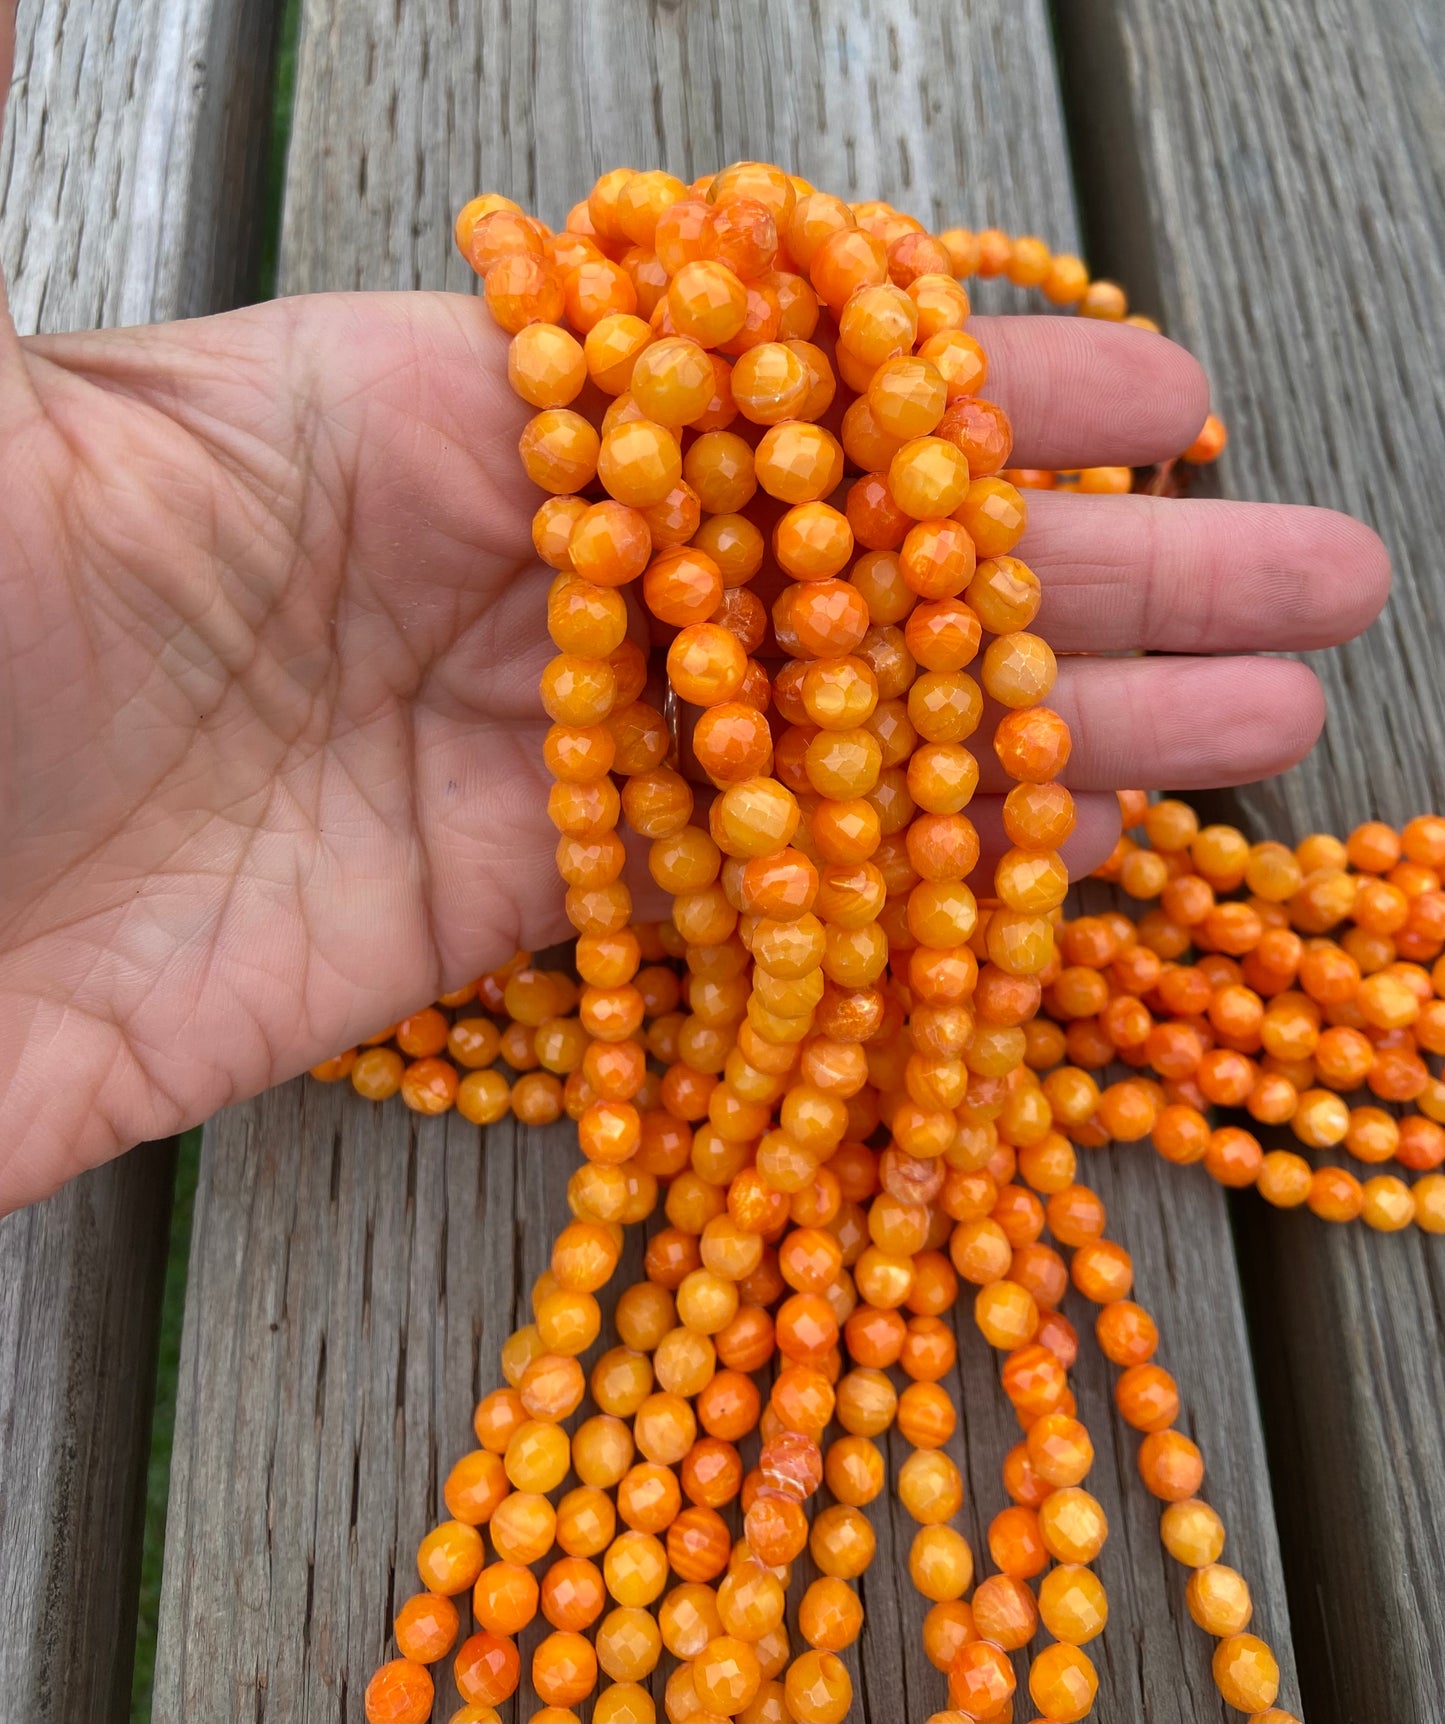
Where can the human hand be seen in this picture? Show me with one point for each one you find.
(270, 637)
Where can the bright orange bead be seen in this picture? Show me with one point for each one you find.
(1170, 1465)
(487, 1669)
(426, 1627)
(1016, 1544)
(401, 1692)
(1209, 444)
(1072, 1603)
(450, 1557)
(980, 1679)
(1246, 1672)
(819, 1689)
(1063, 1683)
(928, 477)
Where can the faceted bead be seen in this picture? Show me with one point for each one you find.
(1032, 744)
(401, 1692)
(1072, 1603)
(947, 1627)
(726, 1675)
(798, 463)
(635, 1569)
(907, 396)
(672, 381)
(564, 1669)
(707, 302)
(595, 289)
(612, 348)
(980, 431)
(819, 1689)
(1059, 1450)
(624, 1703)
(639, 462)
(1004, 1612)
(426, 1627)
(770, 383)
(854, 1470)
(928, 477)
(830, 1616)
(1218, 1599)
(450, 1558)
(559, 451)
(1246, 1672)
(1072, 1525)
(980, 1679)
(958, 358)
(813, 541)
(523, 1528)
(546, 365)
(1019, 669)
(1038, 816)
(930, 1486)
(1170, 1465)
(750, 1602)
(1015, 1543)
(845, 261)
(488, 1668)
(1063, 1683)
(586, 1521)
(940, 1563)
(842, 1542)
(1005, 593)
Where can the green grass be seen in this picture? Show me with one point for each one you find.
(163, 1420)
(173, 1296)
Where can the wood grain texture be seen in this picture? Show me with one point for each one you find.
(124, 196)
(80, 1283)
(1282, 213)
(389, 1248)
(132, 165)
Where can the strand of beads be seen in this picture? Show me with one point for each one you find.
(795, 1034)
(1172, 1468)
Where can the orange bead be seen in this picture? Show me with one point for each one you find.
(928, 477)
(1246, 1672)
(1209, 444)
(450, 1557)
(980, 431)
(980, 1679)
(1072, 1525)
(426, 1627)
(1126, 1333)
(1170, 1465)
(1016, 1544)
(401, 1692)
(1004, 1612)
(488, 1668)
(1072, 1603)
(819, 1689)
(1063, 1683)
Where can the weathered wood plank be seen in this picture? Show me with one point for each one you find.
(1284, 216)
(127, 180)
(400, 117)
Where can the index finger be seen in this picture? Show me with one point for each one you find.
(1084, 393)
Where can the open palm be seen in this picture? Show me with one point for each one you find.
(269, 739)
(270, 636)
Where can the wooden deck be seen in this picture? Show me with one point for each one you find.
(1262, 179)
